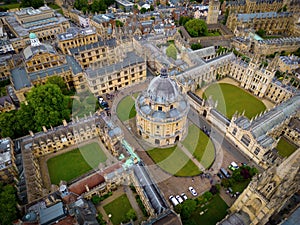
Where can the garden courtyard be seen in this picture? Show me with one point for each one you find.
(232, 98)
(72, 164)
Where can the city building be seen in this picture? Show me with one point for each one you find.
(6, 104)
(129, 69)
(45, 22)
(266, 194)
(213, 12)
(8, 169)
(254, 137)
(75, 37)
(6, 64)
(162, 112)
(40, 62)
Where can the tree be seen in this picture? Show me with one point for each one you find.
(178, 208)
(196, 46)
(131, 215)
(34, 3)
(261, 32)
(49, 106)
(171, 51)
(59, 82)
(151, 8)
(8, 203)
(188, 207)
(183, 20)
(196, 27)
(119, 23)
(143, 10)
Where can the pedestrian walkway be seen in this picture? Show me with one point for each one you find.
(194, 160)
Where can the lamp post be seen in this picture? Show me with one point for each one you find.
(109, 216)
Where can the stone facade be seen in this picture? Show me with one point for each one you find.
(44, 22)
(8, 169)
(254, 137)
(162, 112)
(130, 69)
(213, 12)
(271, 22)
(74, 38)
(268, 192)
(41, 61)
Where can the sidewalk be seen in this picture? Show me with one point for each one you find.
(187, 152)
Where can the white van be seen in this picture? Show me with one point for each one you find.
(173, 200)
(233, 166)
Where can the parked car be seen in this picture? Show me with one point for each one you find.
(193, 192)
(179, 199)
(225, 172)
(220, 175)
(233, 166)
(184, 197)
(173, 200)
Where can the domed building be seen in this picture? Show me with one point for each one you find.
(162, 110)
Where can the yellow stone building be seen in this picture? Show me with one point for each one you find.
(128, 69)
(8, 169)
(75, 38)
(267, 193)
(213, 12)
(41, 61)
(254, 137)
(162, 110)
(45, 22)
(271, 22)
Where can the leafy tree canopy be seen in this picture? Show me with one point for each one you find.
(187, 208)
(119, 23)
(183, 20)
(34, 3)
(196, 46)
(49, 105)
(196, 27)
(8, 202)
(46, 106)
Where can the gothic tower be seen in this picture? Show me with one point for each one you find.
(213, 12)
(269, 191)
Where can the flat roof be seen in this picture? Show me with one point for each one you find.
(52, 214)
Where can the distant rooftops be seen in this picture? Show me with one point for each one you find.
(73, 32)
(280, 41)
(249, 17)
(130, 59)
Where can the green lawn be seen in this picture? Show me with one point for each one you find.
(200, 145)
(11, 6)
(75, 163)
(215, 213)
(136, 94)
(118, 209)
(231, 98)
(174, 161)
(240, 186)
(285, 148)
(126, 109)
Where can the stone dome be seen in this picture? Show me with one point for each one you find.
(162, 89)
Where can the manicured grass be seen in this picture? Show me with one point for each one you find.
(125, 109)
(174, 161)
(240, 186)
(231, 99)
(118, 209)
(215, 213)
(200, 145)
(136, 94)
(75, 163)
(11, 6)
(285, 148)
